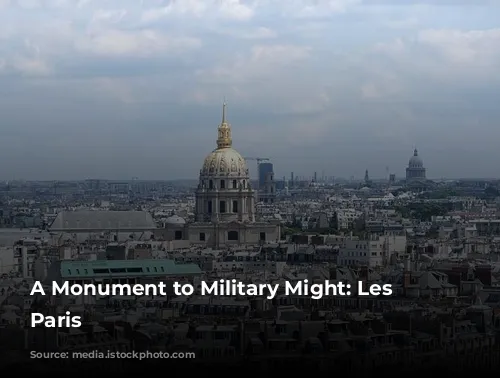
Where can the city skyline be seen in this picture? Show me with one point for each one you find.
(119, 90)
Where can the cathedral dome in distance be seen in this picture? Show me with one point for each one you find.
(415, 160)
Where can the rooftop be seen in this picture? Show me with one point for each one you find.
(124, 268)
(103, 220)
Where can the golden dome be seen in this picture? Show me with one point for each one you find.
(224, 160)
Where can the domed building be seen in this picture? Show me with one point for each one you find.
(225, 200)
(175, 220)
(415, 170)
(416, 179)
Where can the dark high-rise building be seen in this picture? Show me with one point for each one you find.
(267, 193)
(264, 169)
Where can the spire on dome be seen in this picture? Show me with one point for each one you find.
(415, 152)
(224, 112)
(224, 131)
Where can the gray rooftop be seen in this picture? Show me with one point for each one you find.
(103, 220)
(125, 268)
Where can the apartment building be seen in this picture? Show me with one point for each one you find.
(372, 251)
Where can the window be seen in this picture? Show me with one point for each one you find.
(134, 270)
(262, 236)
(223, 184)
(202, 236)
(219, 336)
(235, 206)
(210, 184)
(210, 207)
(235, 184)
(233, 236)
(222, 207)
(178, 235)
(118, 270)
(101, 271)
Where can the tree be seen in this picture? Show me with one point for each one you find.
(491, 192)
(424, 211)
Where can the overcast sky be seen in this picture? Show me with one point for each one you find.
(122, 88)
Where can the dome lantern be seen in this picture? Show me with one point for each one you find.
(415, 160)
(224, 139)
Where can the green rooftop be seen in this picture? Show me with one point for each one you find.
(125, 268)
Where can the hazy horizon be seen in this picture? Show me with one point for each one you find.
(122, 89)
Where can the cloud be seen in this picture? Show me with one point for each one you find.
(144, 43)
(306, 9)
(407, 23)
(474, 47)
(112, 16)
(256, 33)
(447, 54)
(240, 10)
(339, 85)
(229, 9)
(30, 67)
(252, 77)
(261, 61)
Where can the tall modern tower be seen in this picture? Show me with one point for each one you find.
(264, 170)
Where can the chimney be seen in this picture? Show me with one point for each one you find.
(407, 264)
(363, 273)
(333, 273)
(24, 257)
(483, 273)
(406, 281)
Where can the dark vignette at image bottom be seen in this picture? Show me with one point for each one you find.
(239, 367)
